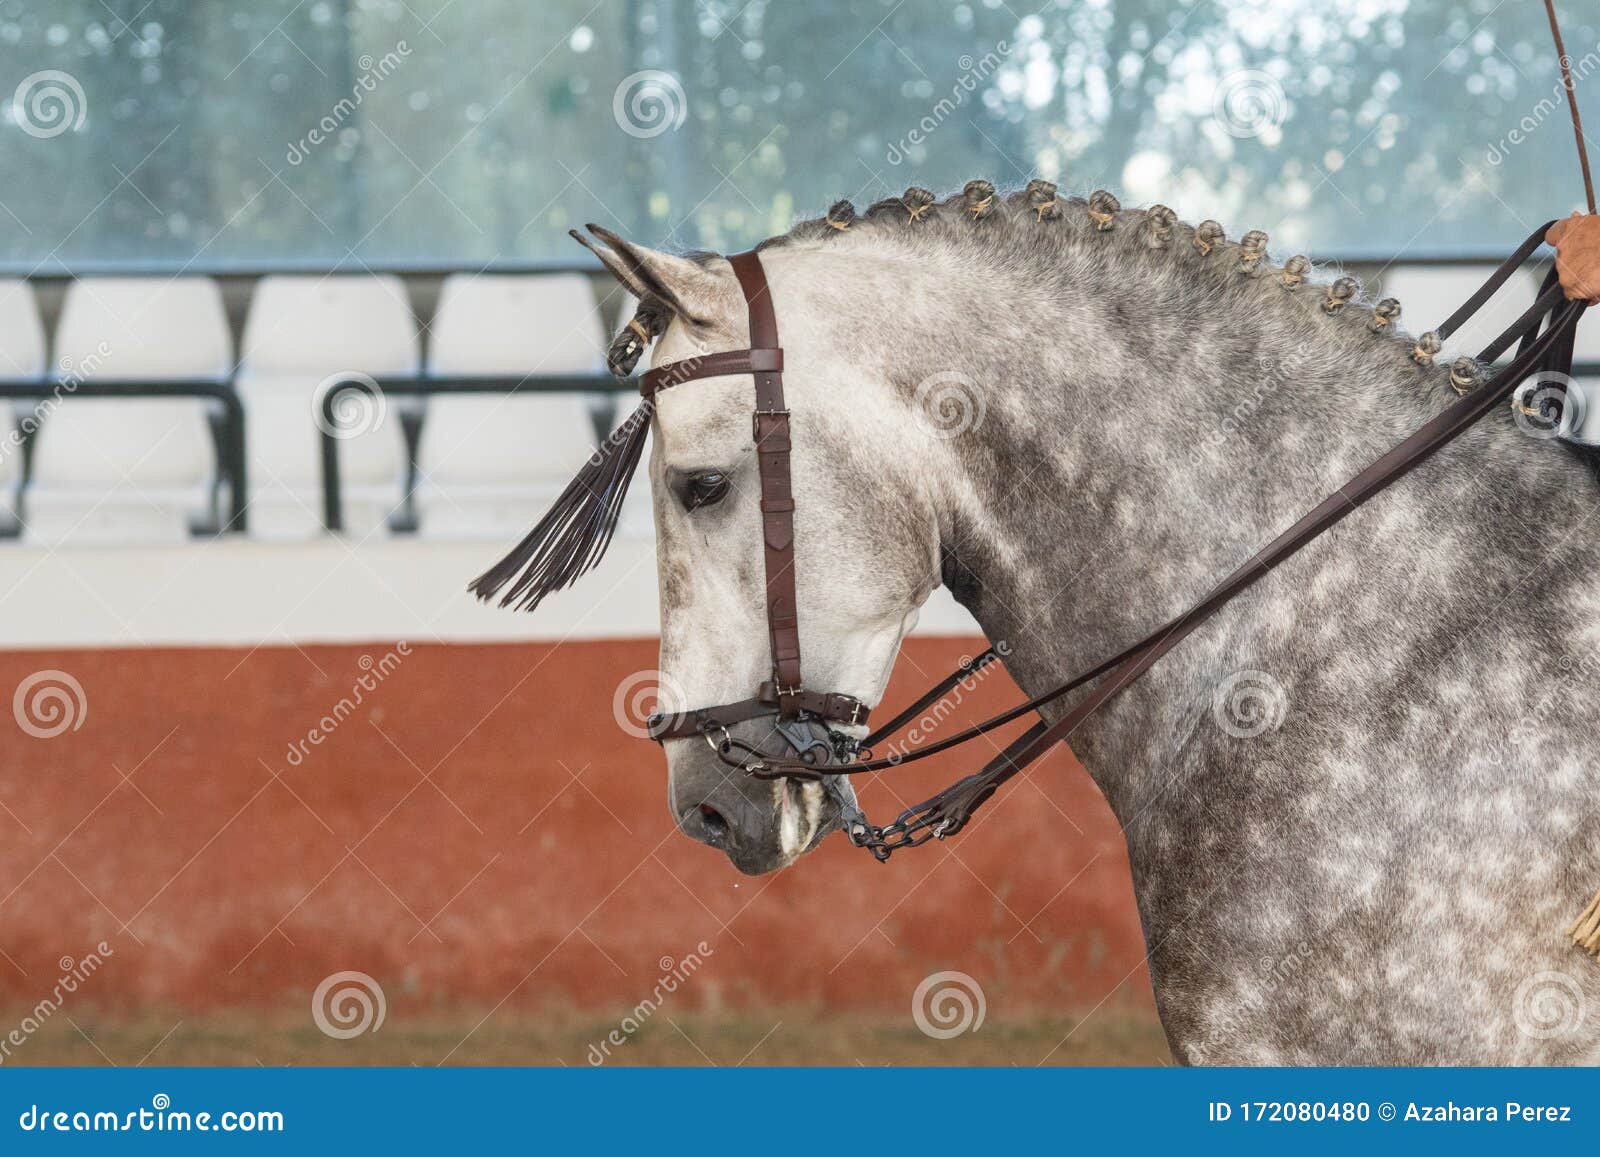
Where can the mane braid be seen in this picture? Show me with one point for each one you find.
(1097, 224)
(574, 533)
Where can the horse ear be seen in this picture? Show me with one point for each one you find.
(686, 287)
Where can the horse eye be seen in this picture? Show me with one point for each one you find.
(705, 489)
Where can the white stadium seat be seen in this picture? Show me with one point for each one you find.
(109, 469)
(490, 464)
(1428, 294)
(301, 331)
(22, 356)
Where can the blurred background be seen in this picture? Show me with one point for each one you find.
(484, 129)
(293, 342)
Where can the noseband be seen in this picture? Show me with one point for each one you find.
(784, 695)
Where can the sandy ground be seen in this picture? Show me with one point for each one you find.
(1107, 1037)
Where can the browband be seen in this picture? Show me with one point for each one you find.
(716, 365)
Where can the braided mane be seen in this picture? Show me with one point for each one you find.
(1154, 234)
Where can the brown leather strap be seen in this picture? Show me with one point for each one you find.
(687, 724)
(828, 706)
(710, 366)
(965, 669)
(770, 428)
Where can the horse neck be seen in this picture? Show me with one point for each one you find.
(1153, 436)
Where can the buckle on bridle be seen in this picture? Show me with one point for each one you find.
(785, 699)
(759, 435)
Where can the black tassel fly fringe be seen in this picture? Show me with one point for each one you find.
(575, 532)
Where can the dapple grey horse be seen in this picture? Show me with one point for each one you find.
(1360, 803)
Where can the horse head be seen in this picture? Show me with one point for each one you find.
(865, 541)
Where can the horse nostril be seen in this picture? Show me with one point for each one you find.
(713, 824)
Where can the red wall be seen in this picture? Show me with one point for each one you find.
(481, 830)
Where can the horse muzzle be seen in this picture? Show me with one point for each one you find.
(761, 824)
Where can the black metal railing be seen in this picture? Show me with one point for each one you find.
(230, 495)
(331, 433)
(228, 426)
(226, 420)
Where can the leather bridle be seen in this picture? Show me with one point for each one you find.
(784, 695)
(1543, 334)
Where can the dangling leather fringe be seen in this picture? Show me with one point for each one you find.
(1585, 930)
(575, 532)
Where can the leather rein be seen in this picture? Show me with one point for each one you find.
(1543, 336)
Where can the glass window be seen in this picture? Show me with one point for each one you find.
(470, 131)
